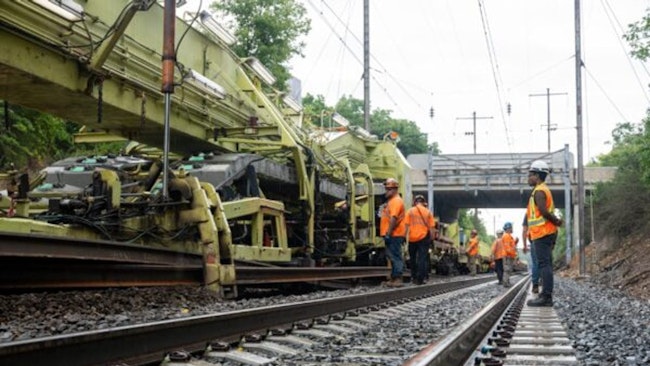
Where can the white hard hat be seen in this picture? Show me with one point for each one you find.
(499, 232)
(539, 166)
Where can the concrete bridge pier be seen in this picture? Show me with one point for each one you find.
(446, 213)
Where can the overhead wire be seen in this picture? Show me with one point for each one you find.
(385, 70)
(354, 55)
(620, 42)
(495, 67)
(622, 30)
(611, 101)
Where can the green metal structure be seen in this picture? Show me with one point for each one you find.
(98, 63)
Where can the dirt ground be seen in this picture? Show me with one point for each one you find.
(623, 265)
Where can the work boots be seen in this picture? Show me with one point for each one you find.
(535, 289)
(395, 282)
(542, 300)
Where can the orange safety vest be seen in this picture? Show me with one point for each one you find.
(498, 249)
(472, 246)
(394, 207)
(538, 225)
(509, 245)
(419, 220)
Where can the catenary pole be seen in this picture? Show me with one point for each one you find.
(581, 176)
(549, 127)
(366, 64)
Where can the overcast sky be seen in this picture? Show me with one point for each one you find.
(433, 53)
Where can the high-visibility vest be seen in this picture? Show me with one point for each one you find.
(419, 220)
(538, 225)
(498, 249)
(472, 246)
(393, 208)
(509, 245)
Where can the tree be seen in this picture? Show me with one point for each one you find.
(638, 36)
(268, 30)
(412, 140)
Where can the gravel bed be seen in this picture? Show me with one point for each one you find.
(393, 341)
(35, 315)
(606, 326)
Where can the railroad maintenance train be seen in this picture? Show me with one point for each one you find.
(250, 181)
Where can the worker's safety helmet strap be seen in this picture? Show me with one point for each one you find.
(391, 183)
(539, 166)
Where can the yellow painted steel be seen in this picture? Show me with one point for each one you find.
(111, 58)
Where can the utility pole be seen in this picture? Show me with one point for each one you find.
(581, 173)
(430, 191)
(549, 127)
(473, 118)
(366, 64)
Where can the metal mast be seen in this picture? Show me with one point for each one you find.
(366, 64)
(169, 59)
(581, 176)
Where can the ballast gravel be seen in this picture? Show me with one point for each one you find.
(606, 326)
(396, 339)
(36, 315)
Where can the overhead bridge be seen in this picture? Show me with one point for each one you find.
(501, 181)
(496, 180)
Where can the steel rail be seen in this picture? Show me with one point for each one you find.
(247, 275)
(38, 274)
(51, 247)
(146, 343)
(459, 344)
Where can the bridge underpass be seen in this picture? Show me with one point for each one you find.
(499, 181)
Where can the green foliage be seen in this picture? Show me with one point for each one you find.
(468, 220)
(638, 36)
(412, 140)
(268, 30)
(622, 206)
(31, 138)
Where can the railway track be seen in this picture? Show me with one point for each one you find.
(505, 332)
(148, 343)
(45, 262)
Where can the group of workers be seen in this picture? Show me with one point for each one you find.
(418, 225)
(396, 225)
(539, 228)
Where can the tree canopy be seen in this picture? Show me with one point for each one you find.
(269, 30)
(412, 140)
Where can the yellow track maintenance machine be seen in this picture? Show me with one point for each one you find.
(251, 183)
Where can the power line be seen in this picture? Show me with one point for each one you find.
(627, 56)
(605, 93)
(622, 30)
(331, 27)
(495, 67)
(373, 56)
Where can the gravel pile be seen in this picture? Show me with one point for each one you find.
(606, 326)
(393, 341)
(35, 315)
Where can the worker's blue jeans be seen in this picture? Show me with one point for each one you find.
(394, 253)
(543, 248)
(534, 267)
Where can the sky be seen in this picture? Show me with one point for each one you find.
(434, 53)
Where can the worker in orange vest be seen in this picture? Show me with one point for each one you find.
(498, 253)
(420, 228)
(510, 247)
(542, 228)
(393, 230)
(472, 251)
